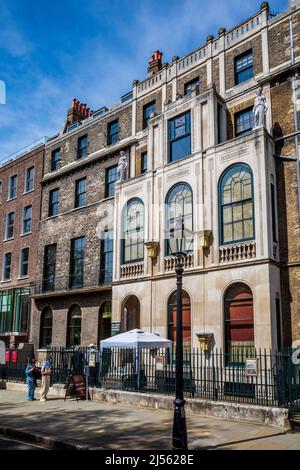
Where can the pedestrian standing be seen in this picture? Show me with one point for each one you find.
(30, 379)
(46, 376)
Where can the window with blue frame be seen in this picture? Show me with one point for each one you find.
(179, 137)
(53, 202)
(111, 176)
(148, 110)
(55, 159)
(80, 192)
(24, 261)
(191, 86)
(106, 258)
(244, 121)
(143, 162)
(133, 232)
(179, 206)
(112, 132)
(243, 67)
(29, 183)
(82, 147)
(10, 224)
(12, 193)
(77, 262)
(236, 205)
(27, 217)
(7, 266)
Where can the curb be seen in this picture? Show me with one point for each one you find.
(38, 438)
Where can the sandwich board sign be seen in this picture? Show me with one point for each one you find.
(2, 353)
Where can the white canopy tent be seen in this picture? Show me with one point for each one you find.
(136, 339)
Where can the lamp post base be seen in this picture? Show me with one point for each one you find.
(179, 425)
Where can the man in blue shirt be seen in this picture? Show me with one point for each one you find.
(30, 379)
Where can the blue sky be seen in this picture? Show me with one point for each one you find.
(57, 50)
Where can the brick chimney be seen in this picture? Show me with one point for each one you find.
(155, 63)
(78, 112)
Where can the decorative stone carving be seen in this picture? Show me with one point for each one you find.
(259, 109)
(122, 166)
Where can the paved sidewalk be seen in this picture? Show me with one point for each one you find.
(108, 426)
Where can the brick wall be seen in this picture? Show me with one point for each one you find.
(198, 72)
(157, 97)
(90, 306)
(95, 174)
(288, 214)
(216, 76)
(279, 44)
(97, 137)
(169, 92)
(33, 198)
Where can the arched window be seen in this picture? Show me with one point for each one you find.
(46, 328)
(74, 326)
(133, 231)
(236, 204)
(239, 323)
(179, 206)
(186, 319)
(104, 321)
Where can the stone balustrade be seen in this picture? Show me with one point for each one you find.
(131, 270)
(238, 252)
(186, 262)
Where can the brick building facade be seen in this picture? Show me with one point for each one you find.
(20, 204)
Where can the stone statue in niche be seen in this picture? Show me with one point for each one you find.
(259, 109)
(122, 166)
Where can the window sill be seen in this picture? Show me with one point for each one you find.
(25, 234)
(8, 239)
(11, 199)
(21, 278)
(28, 192)
(4, 281)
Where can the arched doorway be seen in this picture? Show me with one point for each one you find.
(130, 315)
(186, 319)
(104, 325)
(239, 323)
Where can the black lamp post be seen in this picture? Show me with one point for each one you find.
(177, 240)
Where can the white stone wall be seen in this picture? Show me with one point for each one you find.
(208, 278)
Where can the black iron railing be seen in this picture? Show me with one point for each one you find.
(259, 377)
(69, 283)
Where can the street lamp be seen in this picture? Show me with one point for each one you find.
(178, 238)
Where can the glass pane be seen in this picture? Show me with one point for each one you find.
(237, 190)
(227, 233)
(227, 194)
(248, 228)
(247, 188)
(248, 210)
(238, 231)
(237, 212)
(227, 215)
(181, 148)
